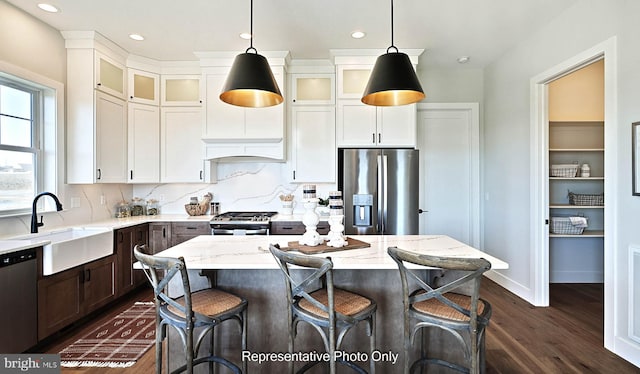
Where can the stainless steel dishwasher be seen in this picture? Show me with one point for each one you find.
(19, 295)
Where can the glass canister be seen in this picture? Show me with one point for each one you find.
(137, 207)
(123, 210)
(153, 209)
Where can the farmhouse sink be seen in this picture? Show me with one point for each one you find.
(70, 247)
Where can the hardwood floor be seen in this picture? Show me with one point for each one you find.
(567, 337)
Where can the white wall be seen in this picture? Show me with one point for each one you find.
(30, 45)
(507, 139)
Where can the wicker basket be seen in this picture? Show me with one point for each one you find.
(586, 199)
(195, 209)
(564, 170)
(563, 226)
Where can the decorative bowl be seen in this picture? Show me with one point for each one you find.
(195, 209)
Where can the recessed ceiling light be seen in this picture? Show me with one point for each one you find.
(463, 59)
(48, 8)
(245, 35)
(136, 37)
(358, 34)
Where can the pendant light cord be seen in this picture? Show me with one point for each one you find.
(251, 31)
(392, 46)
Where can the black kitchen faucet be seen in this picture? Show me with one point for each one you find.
(34, 219)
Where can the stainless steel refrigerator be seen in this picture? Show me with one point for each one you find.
(380, 190)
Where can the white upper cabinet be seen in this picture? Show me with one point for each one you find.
(144, 143)
(352, 80)
(96, 116)
(180, 90)
(110, 139)
(109, 75)
(181, 148)
(312, 89)
(360, 125)
(144, 87)
(313, 144)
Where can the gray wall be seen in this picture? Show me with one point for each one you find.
(507, 137)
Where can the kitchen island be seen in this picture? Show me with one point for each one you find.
(244, 265)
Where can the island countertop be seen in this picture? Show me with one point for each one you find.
(252, 252)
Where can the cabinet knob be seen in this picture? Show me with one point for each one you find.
(99, 84)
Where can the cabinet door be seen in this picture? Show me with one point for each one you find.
(159, 237)
(144, 87)
(356, 124)
(181, 147)
(352, 80)
(313, 133)
(111, 139)
(144, 143)
(99, 283)
(124, 251)
(180, 90)
(59, 301)
(312, 89)
(182, 231)
(397, 126)
(109, 76)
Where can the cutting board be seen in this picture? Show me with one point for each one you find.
(324, 248)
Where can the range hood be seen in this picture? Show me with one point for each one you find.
(246, 150)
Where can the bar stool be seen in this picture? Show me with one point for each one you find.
(464, 316)
(331, 311)
(204, 309)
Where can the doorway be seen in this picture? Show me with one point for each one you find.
(448, 140)
(539, 200)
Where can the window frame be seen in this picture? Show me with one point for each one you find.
(48, 137)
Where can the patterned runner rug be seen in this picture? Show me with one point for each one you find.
(117, 343)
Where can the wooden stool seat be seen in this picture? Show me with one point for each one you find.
(436, 308)
(210, 302)
(347, 303)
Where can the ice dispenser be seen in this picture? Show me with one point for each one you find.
(362, 208)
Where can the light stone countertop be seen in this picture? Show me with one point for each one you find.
(25, 241)
(252, 252)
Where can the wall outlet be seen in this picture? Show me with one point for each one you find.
(103, 200)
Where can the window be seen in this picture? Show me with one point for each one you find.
(20, 153)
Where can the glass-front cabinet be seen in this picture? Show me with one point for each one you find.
(109, 75)
(143, 87)
(180, 90)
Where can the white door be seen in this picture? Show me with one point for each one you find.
(448, 140)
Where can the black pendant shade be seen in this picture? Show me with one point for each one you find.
(393, 81)
(250, 83)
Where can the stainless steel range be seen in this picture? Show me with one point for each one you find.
(241, 223)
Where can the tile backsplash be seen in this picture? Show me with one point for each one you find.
(241, 186)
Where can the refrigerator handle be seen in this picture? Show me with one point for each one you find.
(382, 193)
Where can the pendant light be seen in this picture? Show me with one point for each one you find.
(393, 80)
(250, 82)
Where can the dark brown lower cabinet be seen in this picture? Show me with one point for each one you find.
(159, 236)
(65, 297)
(296, 228)
(125, 239)
(183, 231)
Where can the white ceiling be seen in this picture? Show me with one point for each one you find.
(309, 29)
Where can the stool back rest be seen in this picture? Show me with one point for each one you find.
(468, 271)
(301, 288)
(170, 267)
